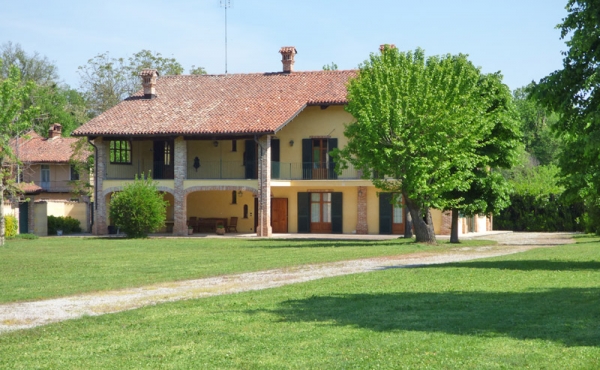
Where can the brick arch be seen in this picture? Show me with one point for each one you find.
(113, 189)
(219, 188)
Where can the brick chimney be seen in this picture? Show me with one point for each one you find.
(149, 77)
(287, 58)
(55, 130)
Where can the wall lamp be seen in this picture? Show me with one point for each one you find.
(215, 143)
(240, 194)
(292, 142)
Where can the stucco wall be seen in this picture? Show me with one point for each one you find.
(40, 213)
(218, 204)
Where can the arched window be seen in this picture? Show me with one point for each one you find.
(233, 197)
(245, 211)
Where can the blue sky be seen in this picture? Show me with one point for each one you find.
(517, 38)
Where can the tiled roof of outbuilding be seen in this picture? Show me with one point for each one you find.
(38, 149)
(235, 104)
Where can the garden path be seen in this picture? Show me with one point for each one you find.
(22, 315)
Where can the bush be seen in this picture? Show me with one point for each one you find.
(540, 213)
(138, 209)
(11, 226)
(68, 225)
(25, 236)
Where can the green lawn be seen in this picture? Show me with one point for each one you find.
(539, 309)
(51, 267)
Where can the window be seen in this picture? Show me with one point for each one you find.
(234, 145)
(233, 197)
(74, 173)
(120, 151)
(320, 207)
(245, 211)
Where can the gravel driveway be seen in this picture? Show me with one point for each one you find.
(15, 316)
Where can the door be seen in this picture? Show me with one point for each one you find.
(23, 218)
(391, 216)
(319, 158)
(279, 215)
(320, 213)
(45, 179)
(163, 160)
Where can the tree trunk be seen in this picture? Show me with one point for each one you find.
(422, 222)
(407, 223)
(454, 227)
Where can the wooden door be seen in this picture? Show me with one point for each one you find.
(279, 215)
(320, 213)
(319, 157)
(163, 160)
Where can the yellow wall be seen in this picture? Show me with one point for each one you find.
(219, 161)
(218, 204)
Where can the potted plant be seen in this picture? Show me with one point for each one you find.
(220, 229)
(190, 230)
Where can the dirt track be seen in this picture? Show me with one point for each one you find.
(15, 316)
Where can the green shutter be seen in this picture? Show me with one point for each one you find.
(306, 159)
(303, 212)
(250, 159)
(385, 213)
(331, 144)
(275, 150)
(337, 223)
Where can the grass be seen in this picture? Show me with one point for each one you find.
(539, 309)
(52, 267)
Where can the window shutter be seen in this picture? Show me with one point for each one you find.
(275, 166)
(385, 213)
(250, 159)
(332, 144)
(306, 159)
(303, 212)
(337, 223)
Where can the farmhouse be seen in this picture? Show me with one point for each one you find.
(249, 148)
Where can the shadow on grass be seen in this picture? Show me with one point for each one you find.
(567, 316)
(328, 243)
(524, 265)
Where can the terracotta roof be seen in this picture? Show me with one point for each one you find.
(220, 104)
(29, 188)
(38, 149)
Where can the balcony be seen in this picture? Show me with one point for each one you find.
(229, 170)
(64, 186)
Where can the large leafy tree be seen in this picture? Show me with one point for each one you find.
(574, 92)
(417, 128)
(33, 67)
(489, 191)
(14, 118)
(106, 81)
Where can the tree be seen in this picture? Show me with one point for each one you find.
(574, 93)
(105, 81)
(14, 118)
(197, 70)
(58, 104)
(536, 123)
(489, 191)
(330, 67)
(417, 126)
(139, 208)
(32, 67)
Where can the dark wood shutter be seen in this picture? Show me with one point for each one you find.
(331, 144)
(306, 159)
(337, 223)
(250, 159)
(385, 213)
(275, 165)
(303, 212)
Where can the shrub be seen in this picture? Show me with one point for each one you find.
(139, 208)
(11, 226)
(67, 224)
(25, 236)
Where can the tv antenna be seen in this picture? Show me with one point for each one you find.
(225, 4)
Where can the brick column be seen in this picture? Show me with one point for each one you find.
(180, 204)
(264, 183)
(31, 214)
(361, 219)
(100, 216)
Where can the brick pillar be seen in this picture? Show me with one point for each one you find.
(361, 220)
(180, 204)
(100, 216)
(446, 223)
(264, 183)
